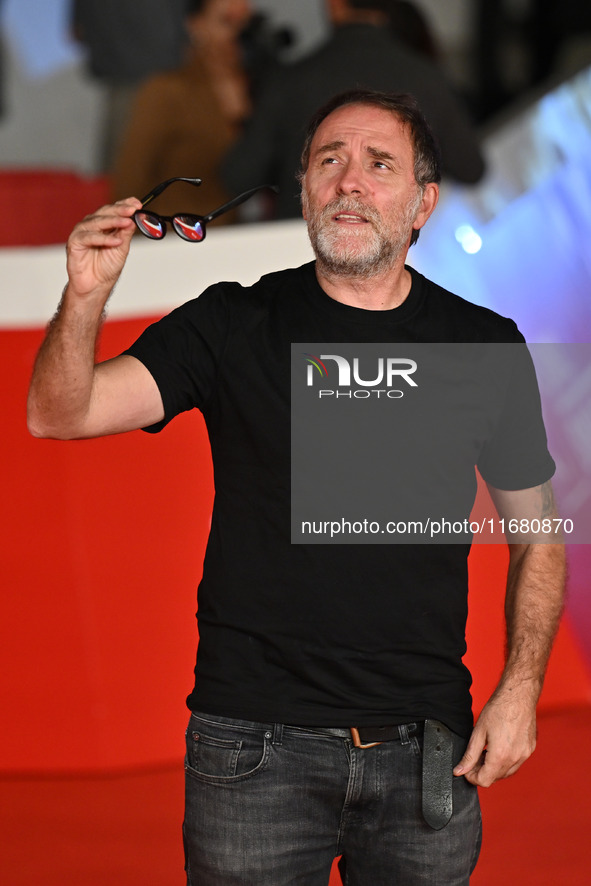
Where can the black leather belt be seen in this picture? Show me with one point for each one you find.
(437, 774)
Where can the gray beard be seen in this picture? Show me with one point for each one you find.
(380, 252)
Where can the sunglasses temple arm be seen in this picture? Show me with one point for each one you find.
(163, 185)
(236, 201)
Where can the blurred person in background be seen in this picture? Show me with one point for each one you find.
(524, 48)
(263, 45)
(126, 42)
(364, 49)
(409, 25)
(183, 121)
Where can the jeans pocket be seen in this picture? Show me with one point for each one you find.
(212, 756)
(217, 752)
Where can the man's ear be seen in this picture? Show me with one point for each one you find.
(428, 203)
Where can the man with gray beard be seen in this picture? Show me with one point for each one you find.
(331, 712)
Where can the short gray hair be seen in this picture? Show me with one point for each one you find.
(427, 166)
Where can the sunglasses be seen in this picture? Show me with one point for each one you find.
(187, 225)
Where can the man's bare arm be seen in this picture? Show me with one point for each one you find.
(70, 396)
(505, 733)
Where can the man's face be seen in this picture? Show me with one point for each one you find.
(359, 193)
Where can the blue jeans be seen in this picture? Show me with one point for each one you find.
(273, 805)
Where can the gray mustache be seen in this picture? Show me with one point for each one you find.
(337, 206)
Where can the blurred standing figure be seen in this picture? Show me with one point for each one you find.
(183, 121)
(127, 41)
(364, 50)
(410, 25)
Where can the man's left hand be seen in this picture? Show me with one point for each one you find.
(503, 738)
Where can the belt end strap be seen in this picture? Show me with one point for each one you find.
(437, 774)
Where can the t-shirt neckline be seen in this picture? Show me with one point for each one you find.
(352, 314)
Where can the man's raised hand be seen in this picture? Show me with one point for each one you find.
(98, 248)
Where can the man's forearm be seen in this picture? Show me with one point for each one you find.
(61, 385)
(535, 586)
(533, 606)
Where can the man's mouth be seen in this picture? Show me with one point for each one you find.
(350, 218)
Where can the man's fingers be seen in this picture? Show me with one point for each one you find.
(470, 769)
(109, 226)
(98, 246)
(485, 774)
(118, 215)
(493, 767)
(126, 207)
(473, 755)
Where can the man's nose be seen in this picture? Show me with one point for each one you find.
(352, 179)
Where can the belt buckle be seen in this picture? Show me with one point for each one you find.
(357, 740)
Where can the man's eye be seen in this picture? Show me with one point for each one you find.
(328, 160)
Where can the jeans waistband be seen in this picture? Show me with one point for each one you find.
(367, 734)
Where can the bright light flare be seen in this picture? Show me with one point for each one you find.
(469, 240)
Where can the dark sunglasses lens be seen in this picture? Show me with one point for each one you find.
(189, 227)
(150, 225)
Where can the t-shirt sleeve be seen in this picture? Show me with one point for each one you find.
(184, 350)
(516, 454)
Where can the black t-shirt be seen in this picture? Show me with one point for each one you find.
(319, 634)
